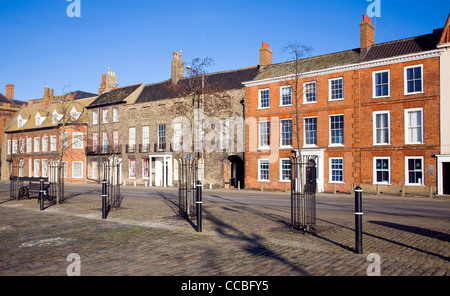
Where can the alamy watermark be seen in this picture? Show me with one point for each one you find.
(74, 8)
(374, 9)
(74, 268)
(374, 269)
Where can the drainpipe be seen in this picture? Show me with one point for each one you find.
(243, 142)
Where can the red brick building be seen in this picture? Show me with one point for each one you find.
(370, 115)
(36, 134)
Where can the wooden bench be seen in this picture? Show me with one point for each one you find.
(33, 189)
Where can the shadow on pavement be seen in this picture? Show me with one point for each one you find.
(416, 230)
(255, 242)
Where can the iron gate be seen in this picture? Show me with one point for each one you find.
(15, 180)
(187, 187)
(56, 172)
(111, 197)
(303, 192)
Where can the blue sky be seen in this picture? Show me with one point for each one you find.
(42, 46)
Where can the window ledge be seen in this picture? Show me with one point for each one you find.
(414, 93)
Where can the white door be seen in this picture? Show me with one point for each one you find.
(159, 171)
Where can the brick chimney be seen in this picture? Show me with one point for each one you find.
(10, 91)
(367, 33)
(265, 55)
(177, 67)
(109, 81)
(48, 97)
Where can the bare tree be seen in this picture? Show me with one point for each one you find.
(67, 113)
(297, 52)
(201, 101)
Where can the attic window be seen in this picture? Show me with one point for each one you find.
(74, 114)
(39, 119)
(56, 117)
(21, 121)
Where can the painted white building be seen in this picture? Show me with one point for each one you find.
(443, 159)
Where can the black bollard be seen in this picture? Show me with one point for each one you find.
(104, 196)
(199, 203)
(358, 220)
(41, 194)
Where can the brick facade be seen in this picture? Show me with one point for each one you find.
(390, 109)
(35, 143)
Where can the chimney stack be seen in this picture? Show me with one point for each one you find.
(48, 97)
(265, 55)
(367, 33)
(109, 81)
(177, 67)
(10, 91)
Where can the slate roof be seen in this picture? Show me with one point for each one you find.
(311, 64)
(4, 99)
(78, 95)
(221, 80)
(354, 56)
(404, 46)
(114, 96)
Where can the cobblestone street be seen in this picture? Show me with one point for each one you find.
(144, 237)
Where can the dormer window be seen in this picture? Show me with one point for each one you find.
(21, 122)
(74, 114)
(56, 117)
(39, 119)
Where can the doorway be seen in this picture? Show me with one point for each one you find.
(446, 177)
(161, 172)
(236, 173)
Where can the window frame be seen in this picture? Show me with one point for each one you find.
(53, 144)
(282, 145)
(374, 119)
(374, 85)
(94, 117)
(282, 170)
(260, 97)
(36, 168)
(406, 80)
(305, 93)
(45, 144)
(116, 114)
(330, 89)
(105, 116)
(407, 171)
(130, 171)
(77, 138)
(81, 170)
(263, 147)
(37, 144)
(259, 170)
(305, 144)
(289, 87)
(330, 180)
(162, 134)
(375, 181)
(407, 126)
(331, 144)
